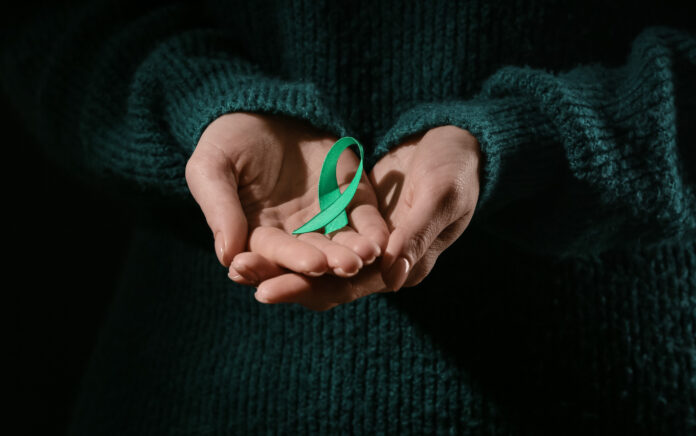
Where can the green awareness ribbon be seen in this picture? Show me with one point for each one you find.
(332, 203)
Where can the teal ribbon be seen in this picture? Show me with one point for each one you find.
(332, 203)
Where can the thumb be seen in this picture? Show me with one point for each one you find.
(213, 184)
(421, 224)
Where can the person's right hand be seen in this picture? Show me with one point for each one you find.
(255, 178)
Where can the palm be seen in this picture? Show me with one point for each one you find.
(255, 178)
(280, 189)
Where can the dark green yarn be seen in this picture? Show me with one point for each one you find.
(576, 307)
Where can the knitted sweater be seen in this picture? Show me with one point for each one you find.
(568, 305)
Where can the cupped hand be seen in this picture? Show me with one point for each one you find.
(427, 190)
(255, 178)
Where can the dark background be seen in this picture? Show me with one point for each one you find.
(67, 244)
(64, 245)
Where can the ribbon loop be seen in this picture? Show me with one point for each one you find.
(332, 202)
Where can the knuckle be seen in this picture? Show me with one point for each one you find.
(451, 200)
(420, 241)
(450, 233)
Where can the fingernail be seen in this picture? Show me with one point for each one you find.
(261, 296)
(378, 250)
(220, 247)
(396, 276)
(246, 272)
(234, 274)
(313, 273)
(343, 273)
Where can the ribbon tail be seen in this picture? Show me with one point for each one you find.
(337, 223)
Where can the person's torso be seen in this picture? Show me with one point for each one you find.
(374, 59)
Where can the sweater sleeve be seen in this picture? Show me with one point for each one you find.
(121, 92)
(585, 160)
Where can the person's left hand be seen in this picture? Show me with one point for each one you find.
(427, 190)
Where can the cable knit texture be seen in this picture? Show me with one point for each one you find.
(568, 306)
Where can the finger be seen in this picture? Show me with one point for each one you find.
(287, 251)
(344, 262)
(321, 293)
(236, 277)
(254, 268)
(296, 288)
(431, 211)
(213, 184)
(366, 219)
(363, 247)
(444, 240)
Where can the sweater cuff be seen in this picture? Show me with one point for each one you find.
(518, 159)
(194, 107)
(173, 96)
